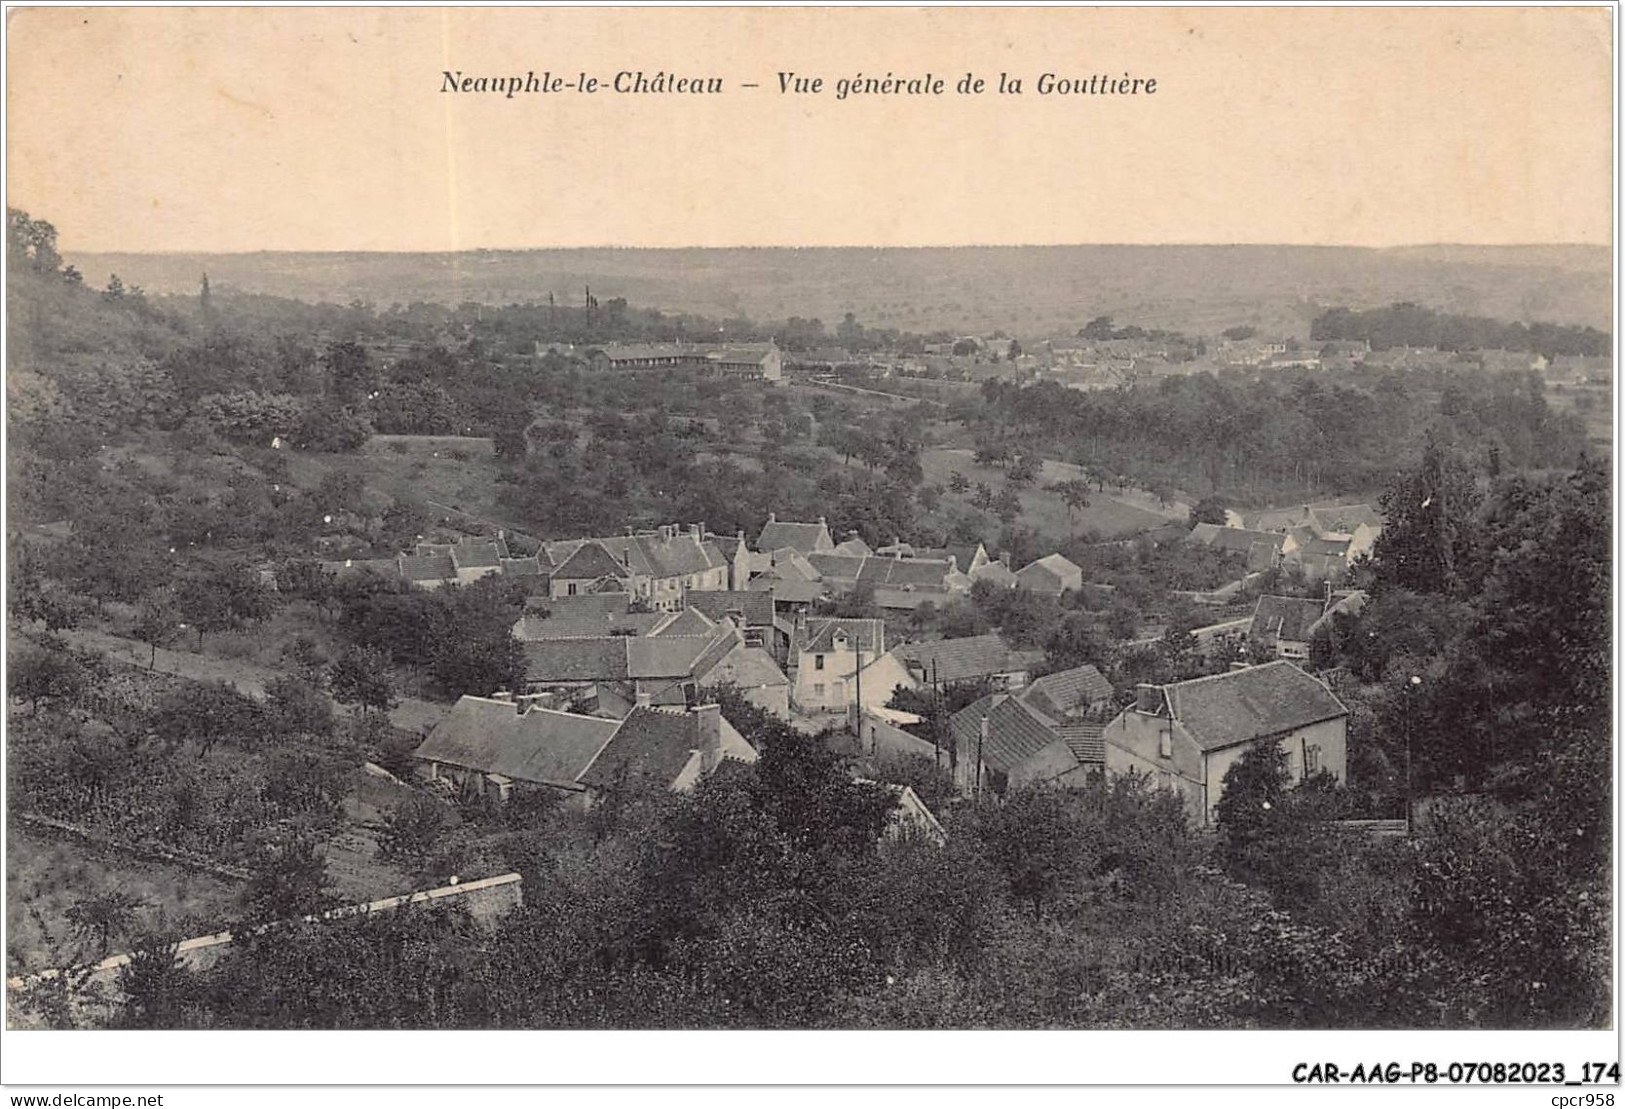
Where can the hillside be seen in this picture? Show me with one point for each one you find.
(1029, 291)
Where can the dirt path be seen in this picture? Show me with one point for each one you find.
(247, 677)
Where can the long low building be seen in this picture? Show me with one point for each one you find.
(492, 746)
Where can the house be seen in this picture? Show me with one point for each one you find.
(996, 574)
(967, 659)
(589, 568)
(1189, 734)
(1002, 742)
(1079, 693)
(660, 567)
(473, 557)
(853, 546)
(897, 582)
(649, 356)
(805, 538)
(585, 616)
(752, 671)
(1360, 523)
(762, 361)
(751, 612)
(1262, 550)
(1282, 626)
(826, 656)
(488, 746)
(1051, 575)
(910, 816)
(966, 557)
(664, 750)
(493, 746)
(614, 671)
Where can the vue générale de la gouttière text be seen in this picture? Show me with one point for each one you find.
(859, 85)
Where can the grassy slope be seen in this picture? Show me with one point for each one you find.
(1110, 513)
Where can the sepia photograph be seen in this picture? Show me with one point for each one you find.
(866, 519)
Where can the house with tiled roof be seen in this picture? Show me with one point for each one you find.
(589, 568)
(826, 656)
(1358, 524)
(1188, 735)
(762, 361)
(1051, 575)
(966, 557)
(485, 746)
(751, 611)
(1071, 694)
(665, 750)
(1261, 550)
(586, 616)
(969, 658)
(996, 574)
(1282, 626)
(757, 677)
(493, 746)
(1002, 743)
(806, 538)
(661, 566)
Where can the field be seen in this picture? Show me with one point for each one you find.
(1110, 513)
(439, 472)
(46, 874)
(1028, 291)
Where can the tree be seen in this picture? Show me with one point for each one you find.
(361, 677)
(205, 714)
(1075, 493)
(157, 623)
(222, 598)
(100, 917)
(31, 243)
(297, 707)
(39, 675)
(958, 482)
(1208, 510)
(412, 831)
(350, 372)
(289, 881)
(1427, 541)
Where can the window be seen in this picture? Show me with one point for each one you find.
(839, 691)
(1165, 743)
(818, 691)
(571, 588)
(818, 662)
(1311, 759)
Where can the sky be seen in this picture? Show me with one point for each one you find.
(323, 129)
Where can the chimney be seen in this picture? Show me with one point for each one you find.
(644, 699)
(772, 518)
(821, 522)
(697, 530)
(503, 695)
(1004, 557)
(1147, 698)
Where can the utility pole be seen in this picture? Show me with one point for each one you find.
(1410, 786)
(981, 738)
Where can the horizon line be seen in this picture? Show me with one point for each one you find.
(853, 246)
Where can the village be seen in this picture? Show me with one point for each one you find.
(620, 630)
